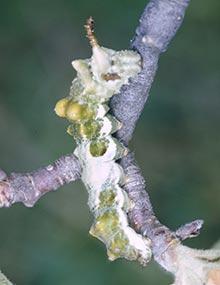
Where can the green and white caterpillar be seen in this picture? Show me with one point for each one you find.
(98, 79)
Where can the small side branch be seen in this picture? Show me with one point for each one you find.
(189, 230)
(29, 187)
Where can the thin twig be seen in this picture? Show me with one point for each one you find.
(29, 187)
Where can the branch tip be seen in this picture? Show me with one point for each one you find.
(189, 230)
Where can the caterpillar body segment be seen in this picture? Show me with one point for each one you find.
(86, 108)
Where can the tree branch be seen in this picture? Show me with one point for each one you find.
(29, 187)
(158, 25)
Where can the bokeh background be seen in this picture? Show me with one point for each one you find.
(176, 141)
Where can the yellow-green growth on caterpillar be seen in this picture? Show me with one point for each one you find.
(98, 79)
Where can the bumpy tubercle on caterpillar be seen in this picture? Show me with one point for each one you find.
(98, 79)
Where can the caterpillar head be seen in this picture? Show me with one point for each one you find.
(107, 67)
(98, 79)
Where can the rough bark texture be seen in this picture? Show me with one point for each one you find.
(158, 25)
(29, 187)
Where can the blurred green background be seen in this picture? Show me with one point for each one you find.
(176, 141)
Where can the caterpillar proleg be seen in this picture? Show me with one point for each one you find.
(98, 79)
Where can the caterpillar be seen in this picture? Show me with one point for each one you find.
(92, 126)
